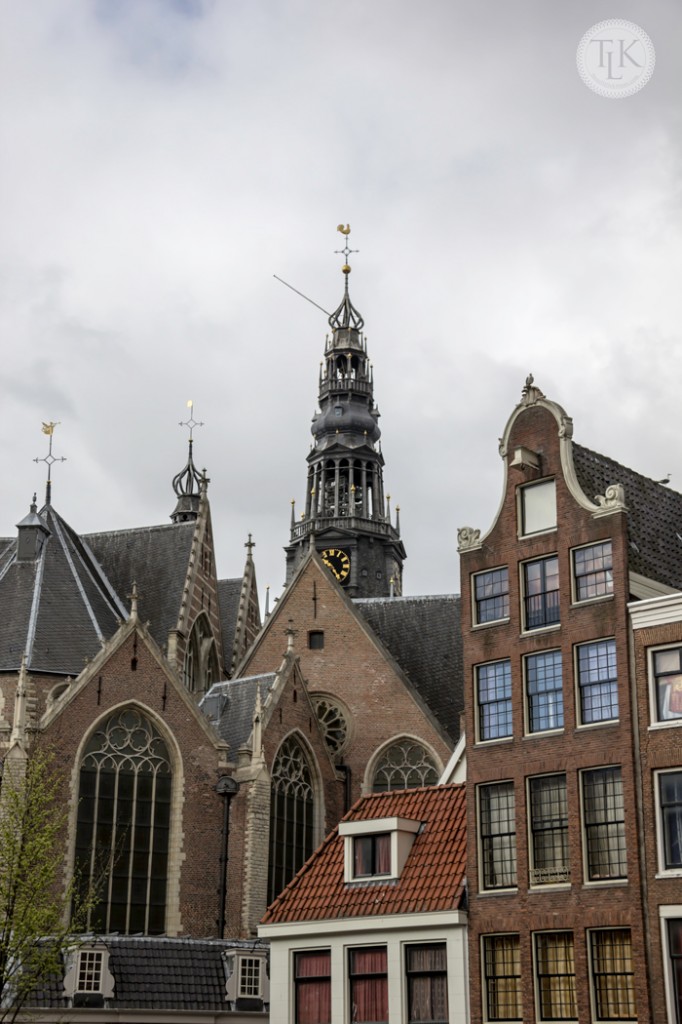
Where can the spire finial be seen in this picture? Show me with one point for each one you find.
(249, 545)
(49, 459)
(346, 315)
(346, 251)
(190, 422)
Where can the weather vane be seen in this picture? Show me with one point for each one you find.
(346, 251)
(49, 460)
(190, 421)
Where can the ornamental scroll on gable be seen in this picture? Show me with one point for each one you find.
(613, 500)
(468, 539)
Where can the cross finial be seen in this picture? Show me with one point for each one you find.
(250, 545)
(190, 422)
(346, 251)
(49, 459)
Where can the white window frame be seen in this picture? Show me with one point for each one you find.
(587, 881)
(477, 702)
(484, 976)
(562, 883)
(474, 604)
(663, 871)
(545, 627)
(536, 980)
(402, 832)
(669, 912)
(526, 696)
(590, 967)
(578, 688)
(574, 577)
(654, 720)
(548, 485)
(482, 887)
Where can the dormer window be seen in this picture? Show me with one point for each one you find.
(372, 855)
(376, 850)
(88, 980)
(247, 983)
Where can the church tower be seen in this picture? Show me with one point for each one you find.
(347, 517)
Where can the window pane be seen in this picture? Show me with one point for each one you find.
(668, 682)
(427, 990)
(502, 976)
(555, 976)
(491, 595)
(291, 816)
(541, 592)
(604, 824)
(544, 691)
(494, 700)
(593, 571)
(670, 788)
(538, 507)
(613, 974)
(405, 765)
(313, 987)
(675, 946)
(598, 681)
(369, 985)
(497, 826)
(549, 830)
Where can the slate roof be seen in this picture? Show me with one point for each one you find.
(432, 879)
(156, 558)
(424, 636)
(158, 973)
(655, 514)
(229, 707)
(58, 608)
(229, 593)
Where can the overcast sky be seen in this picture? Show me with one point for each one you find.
(162, 159)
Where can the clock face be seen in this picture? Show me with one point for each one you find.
(338, 562)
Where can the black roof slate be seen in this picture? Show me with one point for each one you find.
(229, 707)
(654, 514)
(154, 557)
(229, 594)
(424, 636)
(158, 973)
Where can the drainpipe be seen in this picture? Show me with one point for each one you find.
(226, 787)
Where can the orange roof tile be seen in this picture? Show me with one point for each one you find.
(432, 879)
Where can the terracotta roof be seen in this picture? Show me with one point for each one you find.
(424, 636)
(654, 514)
(432, 879)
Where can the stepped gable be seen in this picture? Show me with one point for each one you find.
(423, 634)
(433, 878)
(229, 707)
(154, 557)
(654, 519)
(59, 606)
(155, 974)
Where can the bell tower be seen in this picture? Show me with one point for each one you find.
(347, 517)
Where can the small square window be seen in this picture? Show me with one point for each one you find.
(597, 682)
(667, 680)
(538, 507)
(372, 855)
(544, 691)
(670, 811)
(491, 595)
(89, 972)
(315, 640)
(593, 571)
(541, 593)
(613, 974)
(493, 686)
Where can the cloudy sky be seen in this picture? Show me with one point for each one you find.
(161, 160)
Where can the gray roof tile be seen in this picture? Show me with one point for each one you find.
(230, 705)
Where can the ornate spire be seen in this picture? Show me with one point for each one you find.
(346, 315)
(49, 459)
(189, 483)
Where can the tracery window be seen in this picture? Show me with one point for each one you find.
(291, 815)
(123, 829)
(406, 764)
(201, 660)
(333, 723)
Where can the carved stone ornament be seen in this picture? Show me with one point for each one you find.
(468, 538)
(529, 393)
(612, 501)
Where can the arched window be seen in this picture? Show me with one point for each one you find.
(333, 721)
(201, 661)
(123, 828)
(291, 815)
(405, 764)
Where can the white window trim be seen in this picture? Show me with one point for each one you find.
(482, 891)
(526, 703)
(481, 957)
(520, 490)
(478, 739)
(666, 913)
(402, 832)
(536, 987)
(579, 724)
(662, 870)
(542, 886)
(491, 622)
(553, 626)
(655, 722)
(587, 882)
(589, 932)
(575, 602)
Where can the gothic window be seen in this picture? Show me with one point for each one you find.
(201, 661)
(406, 764)
(333, 722)
(291, 815)
(123, 829)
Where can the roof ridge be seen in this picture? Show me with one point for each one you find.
(139, 529)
